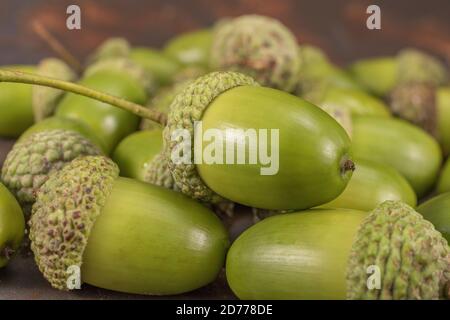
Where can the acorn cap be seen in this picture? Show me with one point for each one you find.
(258, 46)
(32, 160)
(187, 108)
(158, 173)
(45, 99)
(418, 67)
(416, 102)
(413, 258)
(65, 211)
(125, 65)
(111, 48)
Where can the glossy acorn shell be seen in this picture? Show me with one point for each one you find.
(151, 240)
(405, 147)
(54, 123)
(443, 118)
(437, 211)
(312, 149)
(109, 123)
(12, 224)
(191, 48)
(301, 255)
(16, 112)
(135, 152)
(371, 184)
(377, 75)
(357, 102)
(444, 179)
(161, 66)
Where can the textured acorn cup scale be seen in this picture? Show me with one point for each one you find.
(288, 257)
(31, 161)
(258, 46)
(78, 220)
(222, 98)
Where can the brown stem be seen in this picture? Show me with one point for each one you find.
(141, 111)
(57, 46)
(348, 165)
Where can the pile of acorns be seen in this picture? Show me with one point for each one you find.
(357, 149)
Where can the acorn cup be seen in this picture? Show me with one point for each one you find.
(12, 226)
(405, 147)
(437, 211)
(165, 244)
(310, 152)
(16, 111)
(258, 46)
(372, 184)
(191, 48)
(391, 253)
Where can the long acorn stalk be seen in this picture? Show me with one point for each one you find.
(221, 99)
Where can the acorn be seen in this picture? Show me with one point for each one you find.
(258, 46)
(372, 184)
(16, 111)
(110, 124)
(110, 48)
(391, 253)
(31, 161)
(405, 147)
(45, 100)
(444, 179)
(134, 154)
(159, 65)
(229, 100)
(12, 226)
(165, 244)
(437, 211)
(190, 48)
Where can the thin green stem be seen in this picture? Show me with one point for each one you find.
(141, 111)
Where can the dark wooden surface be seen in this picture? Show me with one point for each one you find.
(337, 26)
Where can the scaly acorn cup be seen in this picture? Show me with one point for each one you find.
(29, 164)
(372, 184)
(258, 46)
(58, 123)
(444, 179)
(134, 154)
(16, 111)
(335, 254)
(407, 148)
(110, 124)
(310, 150)
(437, 211)
(111, 48)
(46, 99)
(78, 221)
(12, 225)
(191, 48)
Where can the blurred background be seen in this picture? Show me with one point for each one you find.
(338, 26)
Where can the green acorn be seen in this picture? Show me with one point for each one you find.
(405, 147)
(45, 100)
(232, 100)
(391, 253)
(444, 179)
(372, 184)
(29, 164)
(111, 48)
(16, 111)
(12, 226)
(437, 211)
(165, 244)
(134, 154)
(191, 48)
(258, 46)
